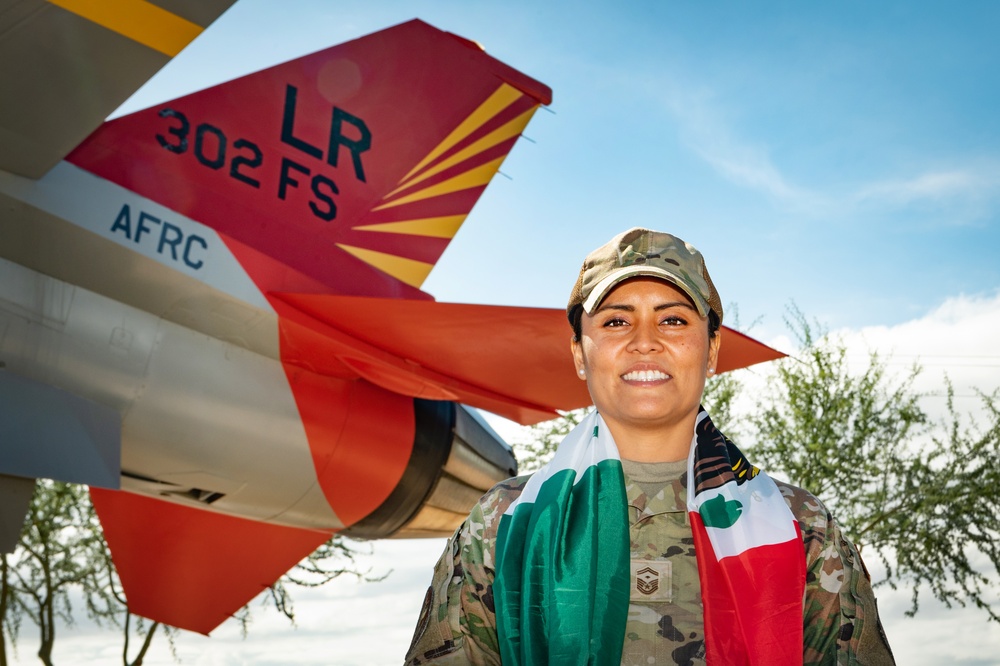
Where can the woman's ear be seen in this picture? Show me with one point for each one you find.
(713, 351)
(577, 350)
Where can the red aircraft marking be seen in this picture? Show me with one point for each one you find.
(194, 568)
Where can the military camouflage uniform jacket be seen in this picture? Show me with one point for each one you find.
(457, 624)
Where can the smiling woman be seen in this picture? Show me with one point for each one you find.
(649, 537)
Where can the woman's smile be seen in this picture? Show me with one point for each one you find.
(645, 376)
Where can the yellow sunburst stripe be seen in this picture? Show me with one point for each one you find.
(410, 271)
(503, 97)
(436, 227)
(499, 135)
(138, 20)
(463, 181)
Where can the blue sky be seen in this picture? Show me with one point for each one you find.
(842, 156)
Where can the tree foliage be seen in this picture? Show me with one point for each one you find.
(923, 495)
(57, 552)
(62, 558)
(10, 620)
(842, 435)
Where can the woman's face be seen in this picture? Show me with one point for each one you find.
(646, 353)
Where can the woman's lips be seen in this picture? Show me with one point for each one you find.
(645, 376)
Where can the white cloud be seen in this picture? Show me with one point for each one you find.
(934, 185)
(703, 128)
(969, 191)
(956, 340)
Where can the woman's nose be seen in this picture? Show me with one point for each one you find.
(645, 340)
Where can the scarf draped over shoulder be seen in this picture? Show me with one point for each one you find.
(562, 557)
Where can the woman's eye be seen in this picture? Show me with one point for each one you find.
(674, 321)
(615, 322)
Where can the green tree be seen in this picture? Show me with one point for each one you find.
(922, 495)
(59, 550)
(951, 540)
(840, 434)
(720, 398)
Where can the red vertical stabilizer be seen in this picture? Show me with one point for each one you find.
(348, 170)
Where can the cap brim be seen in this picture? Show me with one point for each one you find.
(609, 281)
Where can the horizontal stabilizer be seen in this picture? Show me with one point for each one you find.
(741, 351)
(512, 361)
(192, 568)
(51, 433)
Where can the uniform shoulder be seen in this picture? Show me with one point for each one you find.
(809, 510)
(502, 495)
(496, 501)
(798, 495)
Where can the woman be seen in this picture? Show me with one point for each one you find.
(611, 553)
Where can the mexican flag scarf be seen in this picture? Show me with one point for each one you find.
(562, 557)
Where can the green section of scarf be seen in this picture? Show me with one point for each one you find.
(562, 580)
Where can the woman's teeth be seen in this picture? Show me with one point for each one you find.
(645, 376)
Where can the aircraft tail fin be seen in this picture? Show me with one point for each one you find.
(352, 167)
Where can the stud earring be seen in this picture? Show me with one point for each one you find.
(582, 372)
(711, 371)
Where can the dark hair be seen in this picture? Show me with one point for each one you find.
(576, 321)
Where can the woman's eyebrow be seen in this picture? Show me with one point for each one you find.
(615, 306)
(667, 306)
(631, 308)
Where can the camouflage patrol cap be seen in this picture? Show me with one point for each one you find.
(649, 253)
